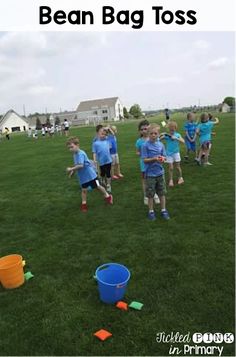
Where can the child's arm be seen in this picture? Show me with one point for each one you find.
(180, 139)
(188, 137)
(153, 159)
(71, 170)
(216, 121)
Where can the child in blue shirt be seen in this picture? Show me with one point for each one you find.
(115, 166)
(86, 173)
(173, 152)
(190, 128)
(153, 155)
(204, 130)
(143, 130)
(101, 154)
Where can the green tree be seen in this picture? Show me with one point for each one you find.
(230, 101)
(48, 124)
(38, 124)
(126, 114)
(135, 110)
(57, 121)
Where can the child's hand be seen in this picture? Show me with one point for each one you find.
(70, 171)
(161, 159)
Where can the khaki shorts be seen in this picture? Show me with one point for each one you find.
(115, 159)
(155, 185)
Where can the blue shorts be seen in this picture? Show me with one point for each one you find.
(190, 145)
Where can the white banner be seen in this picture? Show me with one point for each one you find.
(117, 15)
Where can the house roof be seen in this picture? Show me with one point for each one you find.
(5, 116)
(88, 105)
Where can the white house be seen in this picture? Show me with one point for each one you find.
(100, 110)
(224, 108)
(13, 121)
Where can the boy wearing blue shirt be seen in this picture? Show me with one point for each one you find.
(101, 154)
(86, 173)
(190, 128)
(204, 130)
(115, 166)
(153, 154)
(173, 152)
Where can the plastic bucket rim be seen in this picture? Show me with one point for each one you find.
(117, 284)
(14, 264)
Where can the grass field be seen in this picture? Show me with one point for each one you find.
(182, 270)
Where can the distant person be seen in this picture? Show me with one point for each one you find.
(86, 173)
(7, 133)
(51, 131)
(204, 130)
(190, 128)
(35, 134)
(172, 139)
(167, 114)
(29, 133)
(66, 126)
(43, 131)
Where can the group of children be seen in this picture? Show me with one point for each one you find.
(50, 130)
(105, 160)
(152, 153)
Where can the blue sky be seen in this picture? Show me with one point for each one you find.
(57, 70)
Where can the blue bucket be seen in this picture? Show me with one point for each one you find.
(112, 281)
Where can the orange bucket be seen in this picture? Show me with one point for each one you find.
(11, 271)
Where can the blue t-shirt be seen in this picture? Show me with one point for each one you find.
(205, 131)
(113, 144)
(190, 128)
(139, 143)
(172, 146)
(152, 149)
(87, 173)
(102, 150)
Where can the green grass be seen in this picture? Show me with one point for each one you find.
(182, 270)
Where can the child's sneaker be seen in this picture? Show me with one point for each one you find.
(156, 199)
(145, 201)
(120, 176)
(180, 181)
(84, 207)
(114, 177)
(109, 199)
(151, 216)
(171, 183)
(165, 214)
(208, 163)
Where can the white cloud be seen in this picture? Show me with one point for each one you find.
(218, 63)
(164, 80)
(201, 45)
(40, 90)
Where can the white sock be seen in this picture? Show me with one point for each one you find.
(163, 210)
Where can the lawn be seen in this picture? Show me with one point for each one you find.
(182, 270)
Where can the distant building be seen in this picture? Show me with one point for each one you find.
(224, 108)
(14, 122)
(100, 110)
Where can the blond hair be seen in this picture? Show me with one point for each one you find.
(173, 124)
(153, 126)
(72, 140)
